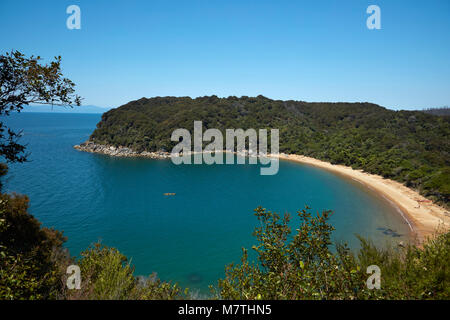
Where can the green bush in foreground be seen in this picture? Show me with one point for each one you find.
(32, 259)
(302, 266)
(107, 275)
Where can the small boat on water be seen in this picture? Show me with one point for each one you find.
(169, 193)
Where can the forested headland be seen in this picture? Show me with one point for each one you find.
(411, 147)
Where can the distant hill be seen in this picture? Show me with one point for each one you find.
(412, 147)
(59, 109)
(444, 111)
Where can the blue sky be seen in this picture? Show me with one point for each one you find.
(303, 50)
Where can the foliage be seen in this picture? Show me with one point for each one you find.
(408, 146)
(33, 264)
(107, 275)
(31, 256)
(152, 288)
(24, 80)
(299, 266)
(412, 272)
(303, 266)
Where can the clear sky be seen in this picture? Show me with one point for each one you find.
(303, 50)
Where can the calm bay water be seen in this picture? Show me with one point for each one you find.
(187, 238)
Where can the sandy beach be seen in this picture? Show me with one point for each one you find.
(424, 220)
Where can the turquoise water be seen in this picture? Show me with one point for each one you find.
(190, 237)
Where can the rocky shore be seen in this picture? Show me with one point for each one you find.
(120, 151)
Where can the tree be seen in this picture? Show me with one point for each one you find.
(32, 258)
(23, 81)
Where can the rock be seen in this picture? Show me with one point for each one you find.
(119, 151)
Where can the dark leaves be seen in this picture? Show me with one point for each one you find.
(25, 81)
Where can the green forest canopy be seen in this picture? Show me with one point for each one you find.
(407, 146)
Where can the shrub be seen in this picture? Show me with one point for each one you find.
(106, 274)
(32, 257)
(303, 266)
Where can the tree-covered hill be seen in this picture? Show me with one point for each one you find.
(408, 146)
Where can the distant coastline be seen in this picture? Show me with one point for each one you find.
(424, 220)
(87, 109)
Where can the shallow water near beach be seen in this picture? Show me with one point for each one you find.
(188, 237)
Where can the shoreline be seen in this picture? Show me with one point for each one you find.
(424, 221)
(92, 147)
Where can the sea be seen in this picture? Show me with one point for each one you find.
(188, 237)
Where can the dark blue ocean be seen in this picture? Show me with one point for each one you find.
(189, 237)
